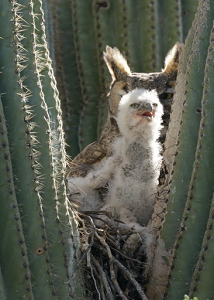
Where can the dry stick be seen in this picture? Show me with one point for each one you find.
(102, 292)
(85, 253)
(92, 274)
(129, 258)
(103, 242)
(103, 276)
(131, 278)
(137, 268)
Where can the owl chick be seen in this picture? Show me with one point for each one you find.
(133, 188)
(132, 171)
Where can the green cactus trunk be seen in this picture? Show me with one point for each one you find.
(39, 235)
(187, 229)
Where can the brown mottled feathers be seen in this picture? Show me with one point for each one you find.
(94, 152)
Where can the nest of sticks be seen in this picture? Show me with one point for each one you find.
(113, 257)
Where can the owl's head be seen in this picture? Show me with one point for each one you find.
(139, 110)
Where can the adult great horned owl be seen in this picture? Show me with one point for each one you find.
(123, 81)
(133, 169)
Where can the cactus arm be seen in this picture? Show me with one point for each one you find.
(204, 270)
(181, 143)
(200, 191)
(41, 192)
(190, 120)
(61, 226)
(13, 251)
(22, 139)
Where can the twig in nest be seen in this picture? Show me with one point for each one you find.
(131, 278)
(92, 274)
(113, 278)
(104, 279)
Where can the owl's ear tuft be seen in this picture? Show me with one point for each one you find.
(116, 64)
(172, 59)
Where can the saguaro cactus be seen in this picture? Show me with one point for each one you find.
(39, 238)
(187, 228)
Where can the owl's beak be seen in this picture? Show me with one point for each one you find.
(146, 106)
(146, 110)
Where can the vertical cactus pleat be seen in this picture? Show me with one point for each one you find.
(67, 72)
(202, 279)
(107, 33)
(82, 18)
(14, 256)
(2, 288)
(33, 118)
(189, 161)
(141, 31)
(188, 10)
(170, 25)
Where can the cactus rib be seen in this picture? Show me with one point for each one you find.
(88, 76)
(11, 229)
(67, 73)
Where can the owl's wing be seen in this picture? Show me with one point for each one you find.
(83, 162)
(94, 152)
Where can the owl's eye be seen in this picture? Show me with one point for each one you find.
(135, 105)
(165, 96)
(154, 104)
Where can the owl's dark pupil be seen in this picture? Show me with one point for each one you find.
(165, 96)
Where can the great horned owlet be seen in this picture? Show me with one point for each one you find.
(133, 169)
(124, 81)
